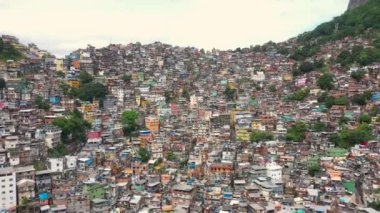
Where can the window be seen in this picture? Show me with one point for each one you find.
(10, 191)
(10, 179)
(10, 185)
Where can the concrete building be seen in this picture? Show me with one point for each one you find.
(8, 194)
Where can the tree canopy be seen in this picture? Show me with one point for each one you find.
(351, 23)
(326, 81)
(350, 137)
(297, 132)
(85, 77)
(257, 136)
(129, 119)
(230, 93)
(8, 51)
(73, 126)
(41, 103)
(144, 155)
(300, 95)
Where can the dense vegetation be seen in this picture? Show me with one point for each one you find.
(360, 55)
(297, 132)
(350, 137)
(326, 81)
(129, 119)
(73, 127)
(351, 23)
(8, 51)
(257, 136)
(41, 103)
(299, 95)
(88, 91)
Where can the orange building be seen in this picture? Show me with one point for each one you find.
(76, 64)
(153, 124)
(221, 168)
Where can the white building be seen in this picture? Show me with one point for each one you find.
(193, 101)
(52, 136)
(8, 188)
(258, 76)
(120, 94)
(71, 162)
(56, 164)
(11, 142)
(274, 171)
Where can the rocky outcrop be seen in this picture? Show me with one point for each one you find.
(356, 3)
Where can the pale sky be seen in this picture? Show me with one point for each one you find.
(61, 26)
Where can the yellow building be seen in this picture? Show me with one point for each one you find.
(89, 117)
(73, 83)
(58, 64)
(138, 100)
(134, 76)
(242, 135)
(232, 85)
(287, 77)
(256, 125)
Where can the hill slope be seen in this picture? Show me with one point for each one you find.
(352, 23)
(355, 3)
(8, 51)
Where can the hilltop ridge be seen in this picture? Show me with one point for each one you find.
(356, 3)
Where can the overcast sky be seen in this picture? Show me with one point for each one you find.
(61, 26)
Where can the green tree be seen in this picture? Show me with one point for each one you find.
(297, 132)
(375, 205)
(129, 119)
(3, 85)
(272, 88)
(374, 111)
(344, 58)
(365, 118)
(343, 120)
(326, 81)
(361, 99)
(144, 155)
(85, 77)
(65, 88)
(313, 169)
(351, 137)
(171, 156)
(186, 94)
(319, 126)
(257, 136)
(8, 51)
(168, 97)
(306, 67)
(41, 103)
(341, 101)
(60, 74)
(300, 95)
(230, 93)
(90, 91)
(73, 126)
(358, 75)
(58, 152)
(127, 78)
